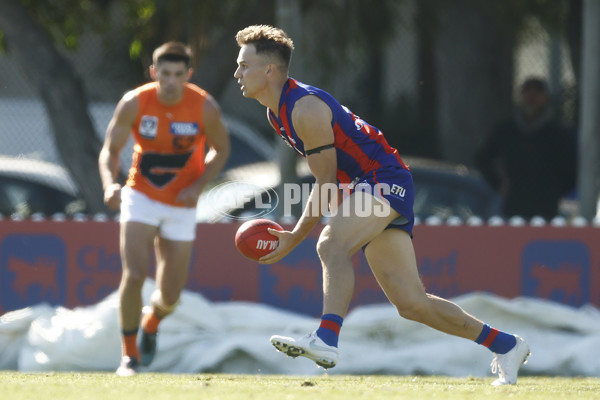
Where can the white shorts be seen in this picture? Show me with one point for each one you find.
(174, 223)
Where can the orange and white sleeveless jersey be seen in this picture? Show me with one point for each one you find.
(169, 149)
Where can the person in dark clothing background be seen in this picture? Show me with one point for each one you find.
(530, 160)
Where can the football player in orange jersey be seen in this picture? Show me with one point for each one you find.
(172, 122)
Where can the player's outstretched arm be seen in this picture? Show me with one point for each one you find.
(312, 121)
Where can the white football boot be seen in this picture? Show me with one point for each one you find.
(310, 346)
(128, 367)
(507, 365)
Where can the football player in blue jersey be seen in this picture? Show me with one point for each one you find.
(343, 150)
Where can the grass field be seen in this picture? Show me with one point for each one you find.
(82, 386)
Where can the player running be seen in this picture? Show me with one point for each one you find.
(342, 149)
(172, 121)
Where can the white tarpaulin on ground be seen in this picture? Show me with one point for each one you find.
(233, 337)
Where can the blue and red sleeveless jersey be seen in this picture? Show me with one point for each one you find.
(360, 147)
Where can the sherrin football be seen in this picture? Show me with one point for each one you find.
(254, 241)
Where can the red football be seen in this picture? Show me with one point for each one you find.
(253, 240)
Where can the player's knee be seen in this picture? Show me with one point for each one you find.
(133, 278)
(329, 248)
(412, 310)
(164, 304)
(326, 249)
(322, 247)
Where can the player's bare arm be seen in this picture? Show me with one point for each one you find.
(312, 120)
(117, 133)
(217, 139)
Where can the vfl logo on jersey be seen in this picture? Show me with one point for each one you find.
(148, 126)
(184, 128)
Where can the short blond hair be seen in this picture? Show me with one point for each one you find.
(268, 40)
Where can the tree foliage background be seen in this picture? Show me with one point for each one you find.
(465, 63)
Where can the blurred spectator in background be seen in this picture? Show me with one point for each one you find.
(530, 159)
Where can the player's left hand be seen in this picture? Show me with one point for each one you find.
(112, 196)
(287, 242)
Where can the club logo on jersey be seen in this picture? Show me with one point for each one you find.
(160, 169)
(148, 126)
(183, 142)
(359, 124)
(184, 128)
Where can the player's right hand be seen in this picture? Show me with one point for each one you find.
(112, 196)
(287, 243)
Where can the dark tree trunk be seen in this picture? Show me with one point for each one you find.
(574, 22)
(210, 73)
(426, 28)
(63, 96)
(474, 62)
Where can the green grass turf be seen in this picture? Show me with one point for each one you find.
(152, 386)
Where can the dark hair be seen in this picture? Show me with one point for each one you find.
(267, 39)
(534, 83)
(173, 51)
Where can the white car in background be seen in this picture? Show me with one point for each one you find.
(29, 186)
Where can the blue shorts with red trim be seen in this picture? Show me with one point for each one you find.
(395, 185)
